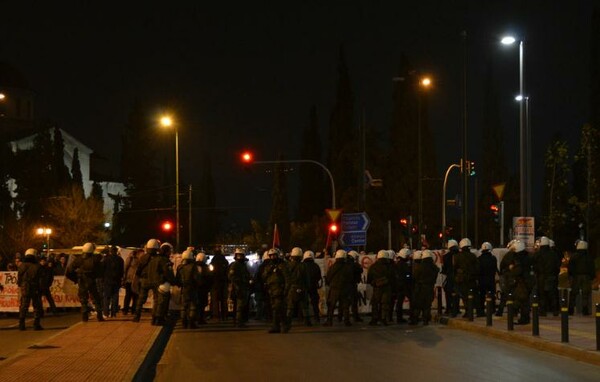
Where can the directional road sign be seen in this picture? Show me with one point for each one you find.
(355, 222)
(354, 238)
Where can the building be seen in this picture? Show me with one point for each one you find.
(17, 127)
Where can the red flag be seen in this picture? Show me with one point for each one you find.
(276, 242)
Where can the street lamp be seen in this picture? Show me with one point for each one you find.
(424, 84)
(525, 204)
(45, 231)
(166, 122)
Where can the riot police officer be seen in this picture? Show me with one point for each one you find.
(29, 277)
(240, 279)
(88, 268)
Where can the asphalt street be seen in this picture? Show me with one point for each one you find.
(218, 352)
(12, 340)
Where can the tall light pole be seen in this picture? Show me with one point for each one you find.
(525, 208)
(166, 121)
(424, 83)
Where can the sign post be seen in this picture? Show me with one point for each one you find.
(354, 229)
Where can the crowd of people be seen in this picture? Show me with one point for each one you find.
(286, 286)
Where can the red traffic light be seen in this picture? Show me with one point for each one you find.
(167, 226)
(333, 228)
(403, 221)
(247, 157)
(494, 208)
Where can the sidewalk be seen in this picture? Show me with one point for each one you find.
(94, 351)
(582, 334)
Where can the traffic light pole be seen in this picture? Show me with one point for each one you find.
(444, 200)
(501, 205)
(306, 161)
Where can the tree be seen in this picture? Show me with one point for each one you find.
(76, 177)
(342, 159)
(81, 219)
(312, 185)
(60, 171)
(138, 215)
(279, 209)
(556, 192)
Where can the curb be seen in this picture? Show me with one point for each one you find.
(152, 355)
(563, 349)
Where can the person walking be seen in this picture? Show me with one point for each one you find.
(425, 278)
(296, 299)
(218, 293)
(339, 279)
(488, 269)
(47, 278)
(547, 269)
(315, 281)
(113, 270)
(87, 268)
(581, 274)
(381, 277)
(240, 279)
(404, 283)
(187, 279)
(275, 275)
(131, 281)
(29, 276)
(203, 286)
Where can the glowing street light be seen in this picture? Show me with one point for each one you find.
(2, 96)
(45, 231)
(166, 122)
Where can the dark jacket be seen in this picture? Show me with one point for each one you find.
(113, 269)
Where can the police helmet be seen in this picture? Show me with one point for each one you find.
(340, 254)
(88, 248)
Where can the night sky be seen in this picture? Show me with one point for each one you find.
(241, 76)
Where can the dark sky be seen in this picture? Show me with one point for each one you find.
(246, 75)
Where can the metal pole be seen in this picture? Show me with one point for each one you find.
(535, 310)
(465, 141)
(190, 217)
(528, 151)
(444, 201)
(419, 173)
(488, 309)
(389, 234)
(177, 188)
(502, 223)
(522, 175)
(564, 321)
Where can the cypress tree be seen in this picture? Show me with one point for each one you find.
(312, 185)
(76, 177)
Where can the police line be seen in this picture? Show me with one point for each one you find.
(64, 291)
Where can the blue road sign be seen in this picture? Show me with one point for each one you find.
(355, 222)
(353, 238)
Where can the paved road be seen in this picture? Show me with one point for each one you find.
(12, 340)
(222, 353)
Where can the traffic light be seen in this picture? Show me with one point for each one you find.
(247, 157)
(404, 227)
(166, 226)
(471, 168)
(333, 231)
(495, 212)
(333, 228)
